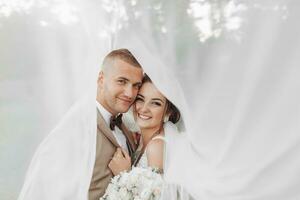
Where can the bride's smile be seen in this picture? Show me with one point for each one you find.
(143, 117)
(149, 107)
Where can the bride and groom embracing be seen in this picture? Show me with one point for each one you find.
(78, 161)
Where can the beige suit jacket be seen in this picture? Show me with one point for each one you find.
(105, 149)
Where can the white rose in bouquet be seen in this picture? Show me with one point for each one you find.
(137, 184)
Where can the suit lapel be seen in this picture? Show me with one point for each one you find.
(128, 136)
(131, 146)
(103, 127)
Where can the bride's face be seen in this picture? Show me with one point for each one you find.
(149, 107)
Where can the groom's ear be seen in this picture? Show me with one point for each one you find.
(100, 78)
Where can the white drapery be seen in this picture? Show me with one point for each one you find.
(240, 102)
(235, 80)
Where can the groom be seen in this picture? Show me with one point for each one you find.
(73, 161)
(118, 85)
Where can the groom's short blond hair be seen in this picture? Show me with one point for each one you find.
(122, 54)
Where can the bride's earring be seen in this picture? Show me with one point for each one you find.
(166, 118)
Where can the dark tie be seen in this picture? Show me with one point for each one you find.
(115, 121)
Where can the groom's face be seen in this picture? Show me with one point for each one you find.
(119, 84)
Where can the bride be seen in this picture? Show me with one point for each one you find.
(151, 111)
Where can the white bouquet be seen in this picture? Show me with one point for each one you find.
(137, 184)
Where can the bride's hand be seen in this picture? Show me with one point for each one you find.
(121, 161)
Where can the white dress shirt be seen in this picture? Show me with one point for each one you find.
(119, 136)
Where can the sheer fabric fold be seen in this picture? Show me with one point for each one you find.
(235, 82)
(63, 163)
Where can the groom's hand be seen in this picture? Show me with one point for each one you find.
(120, 162)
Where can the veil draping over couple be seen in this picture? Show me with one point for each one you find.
(92, 144)
(216, 117)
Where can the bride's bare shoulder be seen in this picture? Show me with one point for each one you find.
(154, 152)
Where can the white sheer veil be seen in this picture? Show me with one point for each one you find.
(230, 66)
(51, 53)
(235, 85)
